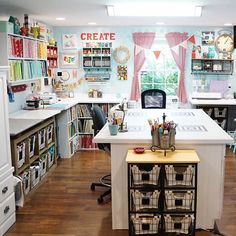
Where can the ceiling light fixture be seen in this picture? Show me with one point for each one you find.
(228, 24)
(160, 23)
(60, 18)
(180, 10)
(92, 23)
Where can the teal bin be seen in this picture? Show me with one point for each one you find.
(6, 27)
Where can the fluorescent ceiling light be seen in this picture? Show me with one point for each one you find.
(160, 23)
(92, 23)
(60, 18)
(172, 9)
(228, 24)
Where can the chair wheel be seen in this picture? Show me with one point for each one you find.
(92, 187)
(100, 200)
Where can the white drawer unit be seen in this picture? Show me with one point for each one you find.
(6, 188)
(7, 208)
(7, 198)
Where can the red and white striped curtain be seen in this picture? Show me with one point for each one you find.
(142, 41)
(178, 51)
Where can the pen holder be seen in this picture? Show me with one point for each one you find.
(113, 129)
(163, 141)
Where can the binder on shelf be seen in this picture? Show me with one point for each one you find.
(15, 70)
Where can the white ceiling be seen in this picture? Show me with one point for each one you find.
(80, 12)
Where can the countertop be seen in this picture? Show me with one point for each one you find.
(212, 101)
(17, 126)
(24, 119)
(65, 103)
(194, 126)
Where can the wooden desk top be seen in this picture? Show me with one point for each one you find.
(176, 157)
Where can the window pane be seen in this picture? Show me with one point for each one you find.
(161, 73)
(146, 87)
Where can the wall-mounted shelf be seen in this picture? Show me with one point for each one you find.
(52, 56)
(26, 57)
(212, 66)
(97, 57)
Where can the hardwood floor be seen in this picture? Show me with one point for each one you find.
(64, 204)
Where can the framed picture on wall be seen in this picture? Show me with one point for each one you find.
(69, 60)
(208, 38)
(69, 41)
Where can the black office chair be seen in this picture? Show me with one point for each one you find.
(153, 99)
(99, 120)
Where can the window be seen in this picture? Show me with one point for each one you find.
(161, 73)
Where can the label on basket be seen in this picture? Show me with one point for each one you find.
(179, 177)
(145, 201)
(145, 177)
(179, 202)
(145, 226)
(177, 225)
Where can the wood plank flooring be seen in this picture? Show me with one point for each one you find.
(64, 204)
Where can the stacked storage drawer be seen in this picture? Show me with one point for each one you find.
(162, 197)
(7, 201)
(179, 199)
(144, 199)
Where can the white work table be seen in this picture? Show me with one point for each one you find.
(227, 102)
(195, 130)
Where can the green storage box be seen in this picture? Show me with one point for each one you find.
(6, 27)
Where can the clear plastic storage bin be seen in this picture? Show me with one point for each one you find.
(35, 173)
(25, 176)
(179, 175)
(145, 175)
(145, 223)
(50, 133)
(179, 200)
(20, 154)
(42, 138)
(31, 144)
(51, 156)
(145, 200)
(43, 160)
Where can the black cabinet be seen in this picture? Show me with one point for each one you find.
(223, 115)
(162, 196)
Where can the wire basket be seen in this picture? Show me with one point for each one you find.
(145, 200)
(179, 175)
(180, 224)
(145, 176)
(179, 200)
(145, 223)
